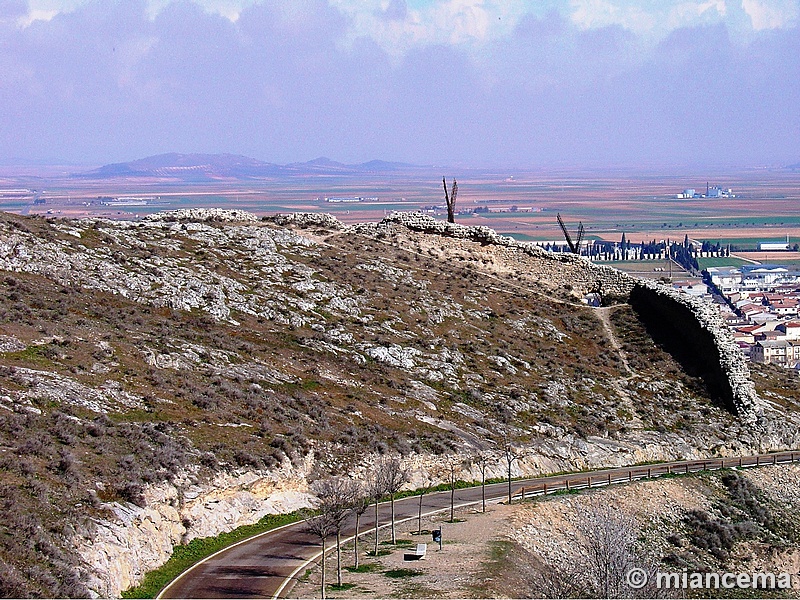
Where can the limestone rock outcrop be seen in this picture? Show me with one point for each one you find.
(133, 540)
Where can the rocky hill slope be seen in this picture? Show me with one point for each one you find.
(178, 376)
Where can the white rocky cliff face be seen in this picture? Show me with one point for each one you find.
(134, 540)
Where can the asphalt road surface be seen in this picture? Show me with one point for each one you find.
(266, 566)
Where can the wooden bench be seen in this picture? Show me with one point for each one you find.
(417, 554)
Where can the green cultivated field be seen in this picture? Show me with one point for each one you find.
(721, 262)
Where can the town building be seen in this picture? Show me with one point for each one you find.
(773, 246)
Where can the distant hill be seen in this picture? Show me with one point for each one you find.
(188, 167)
(207, 167)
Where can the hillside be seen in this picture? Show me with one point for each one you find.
(193, 348)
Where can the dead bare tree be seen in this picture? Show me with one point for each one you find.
(376, 488)
(361, 502)
(335, 498)
(321, 526)
(607, 548)
(482, 461)
(601, 556)
(543, 580)
(511, 456)
(423, 489)
(450, 199)
(454, 468)
(394, 476)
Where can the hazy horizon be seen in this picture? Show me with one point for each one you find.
(470, 83)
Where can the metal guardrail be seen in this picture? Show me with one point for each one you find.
(570, 482)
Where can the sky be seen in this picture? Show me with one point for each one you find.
(517, 83)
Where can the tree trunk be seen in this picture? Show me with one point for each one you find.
(483, 491)
(323, 569)
(450, 200)
(339, 557)
(376, 527)
(452, 498)
(391, 503)
(419, 515)
(355, 542)
(509, 482)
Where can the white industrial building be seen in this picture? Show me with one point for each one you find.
(773, 246)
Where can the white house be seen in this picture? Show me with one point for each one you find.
(769, 352)
(791, 329)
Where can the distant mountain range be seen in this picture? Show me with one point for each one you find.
(206, 167)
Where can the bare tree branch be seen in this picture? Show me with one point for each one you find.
(336, 496)
(602, 555)
(375, 488)
(482, 460)
(361, 503)
(511, 455)
(394, 476)
(321, 526)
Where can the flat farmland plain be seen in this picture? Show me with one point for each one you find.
(642, 205)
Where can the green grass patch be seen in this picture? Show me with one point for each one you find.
(399, 543)
(381, 552)
(341, 588)
(718, 261)
(42, 355)
(402, 573)
(365, 568)
(569, 492)
(186, 555)
(444, 487)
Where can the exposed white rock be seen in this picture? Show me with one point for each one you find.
(123, 548)
(203, 214)
(49, 386)
(395, 356)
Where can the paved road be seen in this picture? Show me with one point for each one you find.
(266, 566)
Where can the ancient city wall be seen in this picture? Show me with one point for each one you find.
(557, 269)
(694, 332)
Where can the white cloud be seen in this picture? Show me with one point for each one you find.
(651, 19)
(45, 10)
(230, 9)
(36, 15)
(448, 22)
(591, 14)
(772, 14)
(693, 13)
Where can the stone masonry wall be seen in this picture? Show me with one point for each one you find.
(557, 269)
(696, 330)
